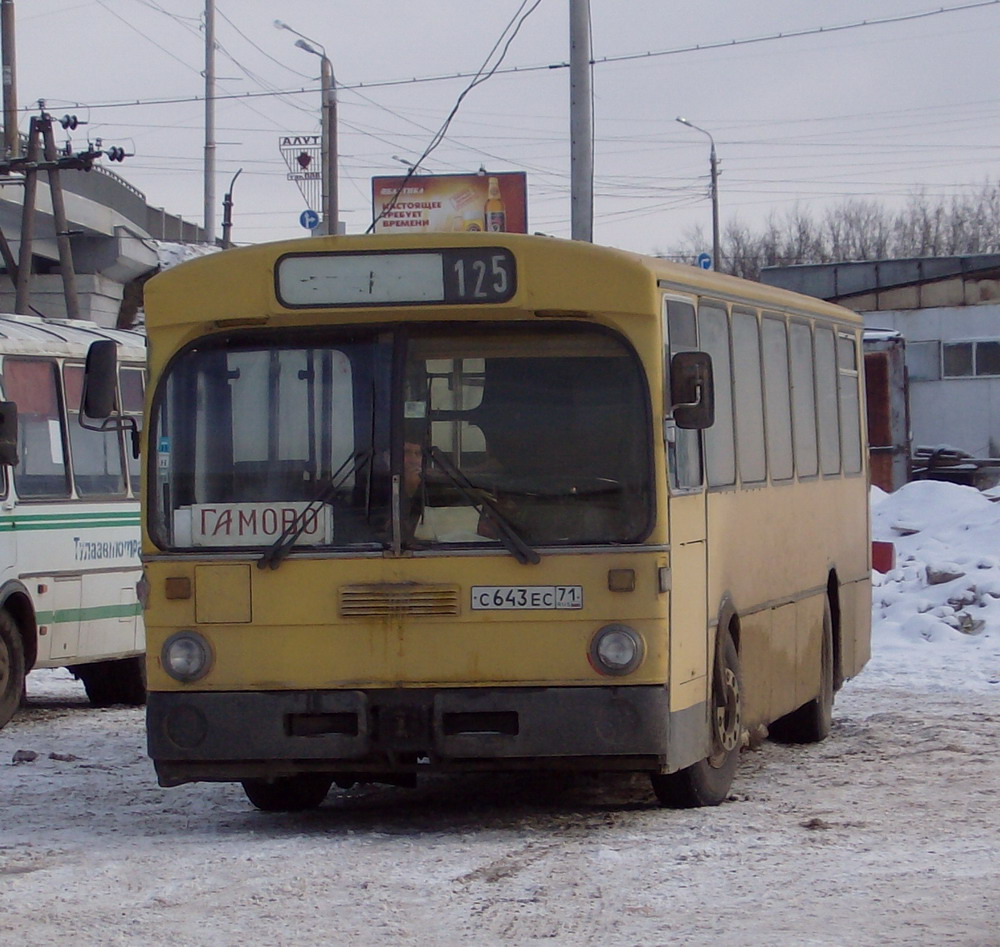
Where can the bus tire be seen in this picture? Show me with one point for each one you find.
(288, 793)
(707, 782)
(122, 681)
(811, 722)
(12, 667)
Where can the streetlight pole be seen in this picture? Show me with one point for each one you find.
(714, 167)
(227, 213)
(328, 88)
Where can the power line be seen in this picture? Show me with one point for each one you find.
(604, 60)
(480, 77)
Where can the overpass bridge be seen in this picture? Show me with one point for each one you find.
(111, 230)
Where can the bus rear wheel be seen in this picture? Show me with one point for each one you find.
(707, 782)
(811, 723)
(12, 667)
(288, 793)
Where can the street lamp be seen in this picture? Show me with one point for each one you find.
(714, 166)
(328, 87)
(413, 168)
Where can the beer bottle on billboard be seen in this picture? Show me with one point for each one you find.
(496, 218)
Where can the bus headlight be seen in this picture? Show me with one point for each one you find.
(186, 656)
(616, 649)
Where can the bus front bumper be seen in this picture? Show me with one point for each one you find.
(229, 736)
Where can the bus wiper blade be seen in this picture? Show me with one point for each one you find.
(517, 547)
(290, 534)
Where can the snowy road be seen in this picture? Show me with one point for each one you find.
(886, 834)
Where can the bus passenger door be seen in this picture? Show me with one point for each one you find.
(688, 613)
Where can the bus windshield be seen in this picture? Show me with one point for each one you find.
(418, 437)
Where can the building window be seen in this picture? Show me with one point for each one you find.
(965, 359)
(956, 359)
(988, 358)
(923, 361)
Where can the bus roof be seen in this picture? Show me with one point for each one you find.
(37, 336)
(239, 284)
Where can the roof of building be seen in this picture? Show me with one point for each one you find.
(837, 281)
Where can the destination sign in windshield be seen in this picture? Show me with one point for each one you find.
(473, 275)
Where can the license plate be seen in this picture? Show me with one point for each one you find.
(529, 597)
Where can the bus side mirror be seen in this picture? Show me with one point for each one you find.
(692, 391)
(8, 433)
(100, 386)
(100, 378)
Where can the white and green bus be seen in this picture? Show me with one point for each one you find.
(69, 517)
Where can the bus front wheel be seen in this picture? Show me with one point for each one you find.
(12, 668)
(707, 782)
(288, 793)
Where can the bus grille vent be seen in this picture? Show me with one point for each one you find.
(376, 601)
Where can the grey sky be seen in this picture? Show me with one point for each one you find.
(878, 112)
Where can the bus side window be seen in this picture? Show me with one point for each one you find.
(720, 455)
(96, 455)
(749, 399)
(850, 402)
(42, 471)
(826, 401)
(803, 400)
(132, 387)
(777, 398)
(8, 442)
(684, 453)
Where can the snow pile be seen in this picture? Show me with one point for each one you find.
(937, 613)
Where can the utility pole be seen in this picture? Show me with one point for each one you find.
(22, 293)
(328, 122)
(713, 163)
(581, 123)
(331, 196)
(60, 220)
(42, 155)
(713, 167)
(209, 121)
(11, 142)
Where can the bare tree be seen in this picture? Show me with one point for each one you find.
(858, 229)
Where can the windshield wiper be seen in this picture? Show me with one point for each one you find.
(290, 534)
(517, 547)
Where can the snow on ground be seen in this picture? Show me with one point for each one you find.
(937, 614)
(885, 834)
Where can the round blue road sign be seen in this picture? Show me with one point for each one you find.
(704, 261)
(309, 219)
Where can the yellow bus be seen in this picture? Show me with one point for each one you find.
(446, 503)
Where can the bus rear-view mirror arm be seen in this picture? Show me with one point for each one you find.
(692, 390)
(99, 395)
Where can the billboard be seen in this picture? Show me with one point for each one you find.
(451, 203)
